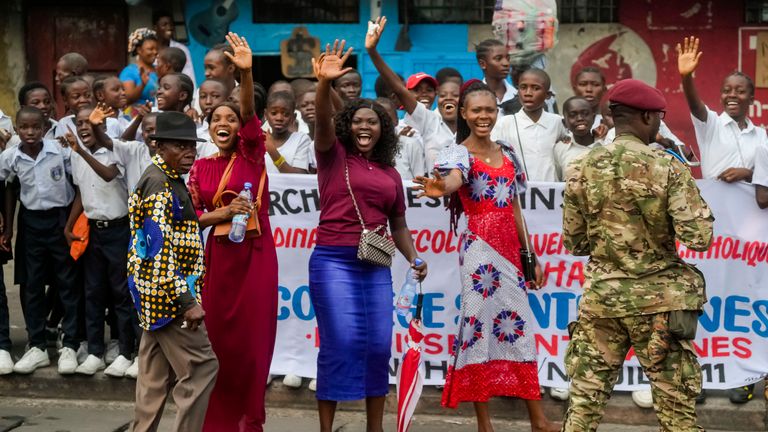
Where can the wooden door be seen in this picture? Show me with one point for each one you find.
(97, 30)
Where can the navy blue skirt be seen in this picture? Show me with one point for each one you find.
(353, 305)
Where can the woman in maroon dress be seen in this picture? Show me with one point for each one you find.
(240, 294)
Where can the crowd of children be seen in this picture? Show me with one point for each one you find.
(84, 161)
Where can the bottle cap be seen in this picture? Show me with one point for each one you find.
(248, 185)
(418, 261)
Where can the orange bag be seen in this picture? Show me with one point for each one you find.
(254, 228)
(80, 229)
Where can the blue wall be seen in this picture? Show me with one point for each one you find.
(434, 45)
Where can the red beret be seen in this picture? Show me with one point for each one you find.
(637, 94)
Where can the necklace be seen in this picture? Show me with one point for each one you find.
(488, 160)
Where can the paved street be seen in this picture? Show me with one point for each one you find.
(45, 415)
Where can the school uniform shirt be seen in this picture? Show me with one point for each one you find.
(538, 142)
(189, 69)
(44, 183)
(301, 125)
(565, 153)
(114, 129)
(723, 145)
(760, 174)
(203, 132)
(102, 200)
(295, 150)
(598, 121)
(410, 162)
(435, 134)
(133, 157)
(6, 122)
(312, 156)
(50, 134)
(511, 92)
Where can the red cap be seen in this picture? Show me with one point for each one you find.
(637, 94)
(418, 77)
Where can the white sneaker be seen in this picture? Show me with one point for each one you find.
(91, 365)
(67, 361)
(113, 350)
(643, 398)
(133, 371)
(292, 381)
(118, 367)
(33, 359)
(561, 394)
(82, 352)
(6, 362)
(313, 385)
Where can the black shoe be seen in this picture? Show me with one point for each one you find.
(742, 394)
(701, 397)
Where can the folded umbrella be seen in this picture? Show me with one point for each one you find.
(410, 380)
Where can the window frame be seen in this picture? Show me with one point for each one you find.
(289, 12)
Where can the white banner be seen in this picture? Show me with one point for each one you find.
(732, 340)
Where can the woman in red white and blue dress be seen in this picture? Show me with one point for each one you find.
(495, 351)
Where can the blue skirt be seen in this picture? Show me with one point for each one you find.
(353, 305)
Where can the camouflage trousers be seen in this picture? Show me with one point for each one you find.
(596, 353)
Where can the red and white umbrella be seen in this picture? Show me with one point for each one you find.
(410, 380)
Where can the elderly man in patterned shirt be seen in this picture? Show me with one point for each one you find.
(165, 276)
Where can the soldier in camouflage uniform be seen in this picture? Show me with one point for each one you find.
(624, 206)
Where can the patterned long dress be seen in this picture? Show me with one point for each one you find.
(494, 353)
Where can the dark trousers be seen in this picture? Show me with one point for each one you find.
(44, 242)
(106, 284)
(5, 329)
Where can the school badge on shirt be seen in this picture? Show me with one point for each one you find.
(57, 173)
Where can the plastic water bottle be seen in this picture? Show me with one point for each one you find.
(240, 221)
(408, 291)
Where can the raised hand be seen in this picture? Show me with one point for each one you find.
(100, 113)
(430, 187)
(69, 140)
(688, 56)
(5, 136)
(375, 29)
(243, 57)
(143, 110)
(330, 64)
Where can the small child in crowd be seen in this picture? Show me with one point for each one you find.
(287, 151)
(533, 131)
(42, 167)
(103, 197)
(108, 89)
(349, 86)
(70, 64)
(579, 119)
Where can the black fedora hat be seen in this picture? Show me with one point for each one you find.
(175, 126)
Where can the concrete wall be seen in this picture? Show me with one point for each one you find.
(13, 64)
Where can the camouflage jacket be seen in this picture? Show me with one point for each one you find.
(624, 205)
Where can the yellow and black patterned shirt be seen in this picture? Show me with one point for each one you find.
(165, 255)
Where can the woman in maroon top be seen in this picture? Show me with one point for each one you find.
(353, 299)
(240, 287)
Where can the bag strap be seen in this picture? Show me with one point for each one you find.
(223, 182)
(221, 192)
(354, 201)
(520, 143)
(262, 180)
